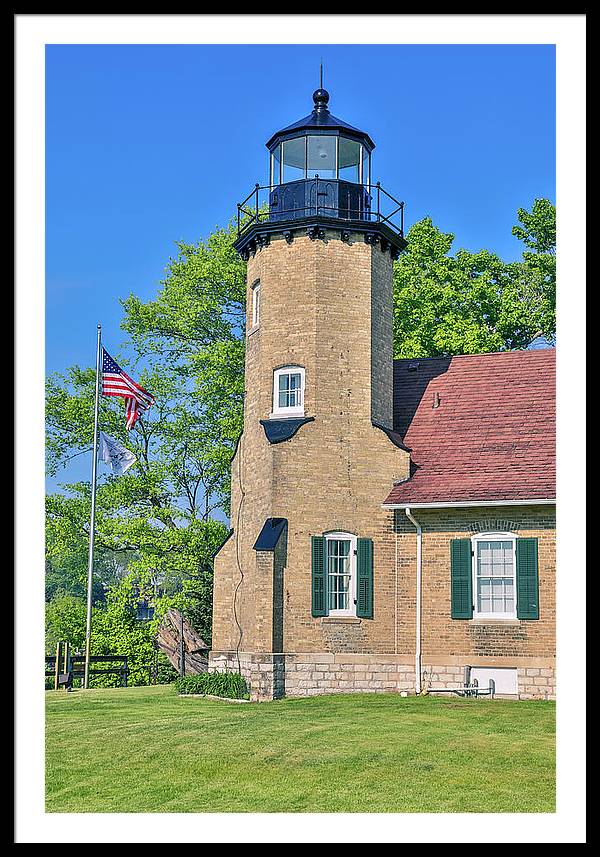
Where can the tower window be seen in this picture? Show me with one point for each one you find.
(288, 392)
(256, 303)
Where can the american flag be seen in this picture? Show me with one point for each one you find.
(115, 382)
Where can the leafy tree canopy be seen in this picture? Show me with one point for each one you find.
(160, 515)
(468, 303)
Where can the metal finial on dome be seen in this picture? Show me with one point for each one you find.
(321, 99)
(321, 118)
(320, 95)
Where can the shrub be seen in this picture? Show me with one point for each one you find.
(165, 673)
(229, 685)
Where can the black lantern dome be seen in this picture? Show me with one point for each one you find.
(321, 118)
(320, 174)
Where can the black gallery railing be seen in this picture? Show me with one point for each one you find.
(314, 197)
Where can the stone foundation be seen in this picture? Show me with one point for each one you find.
(310, 674)
(537, 683)
(272, 676)
(264, 673)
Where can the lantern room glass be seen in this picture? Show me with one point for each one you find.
(322, 157)
(293, 160)
(349, 160)
(366, 168)
(276, 166)
(325, 155)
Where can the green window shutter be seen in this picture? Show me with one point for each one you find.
(364, 581)
(461, 571)
(527, 579)
(319, 576)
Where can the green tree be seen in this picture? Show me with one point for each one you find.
(196, 325)
(156, 524)
(537, 230)
(158, 516)
(470, 303)
(116, 631)
(65, 620)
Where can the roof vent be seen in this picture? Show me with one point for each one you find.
(412, 367)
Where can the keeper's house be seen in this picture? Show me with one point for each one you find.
(393, 521)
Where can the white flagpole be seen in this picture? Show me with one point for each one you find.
(88, 624)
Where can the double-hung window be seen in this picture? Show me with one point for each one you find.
(288, 392)
(341, 573)
(494, 575)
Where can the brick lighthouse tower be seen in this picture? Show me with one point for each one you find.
(308, 571)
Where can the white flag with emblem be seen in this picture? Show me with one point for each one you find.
(115, 455)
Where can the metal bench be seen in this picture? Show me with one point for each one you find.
(471, 689)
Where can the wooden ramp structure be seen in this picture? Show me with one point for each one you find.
(174, 629)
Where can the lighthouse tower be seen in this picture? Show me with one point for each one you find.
(308, 570)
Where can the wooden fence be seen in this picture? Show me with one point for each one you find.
(64, 667)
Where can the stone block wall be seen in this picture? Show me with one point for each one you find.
(311, 674)
(537, 683)
(264, 673)
(295, 674)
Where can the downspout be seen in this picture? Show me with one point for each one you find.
(419, 530)
(395, 588)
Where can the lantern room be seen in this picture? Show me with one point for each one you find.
(320, 178)
(320, 164)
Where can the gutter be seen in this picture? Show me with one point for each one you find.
(457, 504)
(418, 604)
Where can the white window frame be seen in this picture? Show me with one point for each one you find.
(349, 537)
(493, 537)
(296, 410)
(256, 304)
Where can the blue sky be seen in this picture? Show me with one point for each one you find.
(148, 144)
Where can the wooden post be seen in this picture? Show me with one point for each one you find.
(66, 666)
(182, 651)
(57, 664)
(67, 658)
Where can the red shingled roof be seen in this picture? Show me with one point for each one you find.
(491, 435)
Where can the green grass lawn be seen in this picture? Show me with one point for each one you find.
(148, 750)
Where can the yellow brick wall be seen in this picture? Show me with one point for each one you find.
(492, 640)
(322, 304)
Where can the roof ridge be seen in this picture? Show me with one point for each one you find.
(478, 354)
